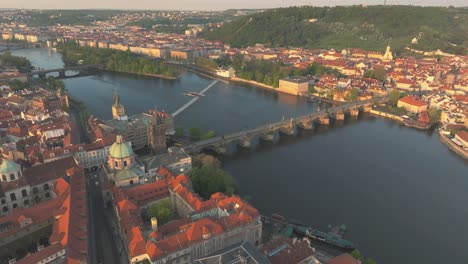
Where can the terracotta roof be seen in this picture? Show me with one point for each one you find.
(49, 171)
(463, 135)
(146, 193)
(70, 229)
(343, 259)
(412, 101)
(293, 251)
(37, 257)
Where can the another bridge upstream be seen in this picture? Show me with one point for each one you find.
(243, 138)
(185, 106)
(83, 70)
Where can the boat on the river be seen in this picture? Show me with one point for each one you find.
(194, 94)
(333, 237)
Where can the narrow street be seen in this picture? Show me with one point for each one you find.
(102, 247)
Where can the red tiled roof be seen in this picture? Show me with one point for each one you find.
(413, 101)
(463, 135)
(49, 171)
(295, 252)
(146, 193)
(343, 259)
(37, 257)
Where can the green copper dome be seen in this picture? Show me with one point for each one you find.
(9, 166)
(120, 149)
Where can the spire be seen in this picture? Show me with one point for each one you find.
(116, 99)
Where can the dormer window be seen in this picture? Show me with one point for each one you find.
(4, 178)
(12, 177)
(66, 151)
(52, 155)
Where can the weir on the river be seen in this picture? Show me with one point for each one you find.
(185, 106)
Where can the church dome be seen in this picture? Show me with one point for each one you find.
(9, 166)
(120, 149)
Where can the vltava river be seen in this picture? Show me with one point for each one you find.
(401, 193)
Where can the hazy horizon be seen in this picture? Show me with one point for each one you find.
(207, 4)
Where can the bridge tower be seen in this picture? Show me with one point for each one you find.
(156, 133)
(118, 110)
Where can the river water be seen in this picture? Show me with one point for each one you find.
(401, 192)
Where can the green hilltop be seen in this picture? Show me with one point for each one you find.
(366, 27)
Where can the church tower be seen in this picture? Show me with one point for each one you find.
(388, 54)
(156, 133)
(118, 110)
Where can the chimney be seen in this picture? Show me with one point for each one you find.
(294, 240)
(154, 224)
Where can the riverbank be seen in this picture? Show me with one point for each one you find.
(146, 74)
(386, 115)
(254, 83)
(406, 122)
(452, 146)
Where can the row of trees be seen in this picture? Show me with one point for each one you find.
(23, 64)
(114, 60)
(194, 133)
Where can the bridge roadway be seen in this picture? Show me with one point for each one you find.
(73, 68)
(272, 127)
(202, 93)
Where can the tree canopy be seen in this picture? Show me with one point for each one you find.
(211, 179)
(162, 211)
(23, 64)
(114, 60)
(369, 27)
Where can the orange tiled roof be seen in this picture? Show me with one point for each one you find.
(412, 101)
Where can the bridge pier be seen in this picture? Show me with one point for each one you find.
(354, 112)
(220, 149)
(288, 130)
(367, 108)
(307, 125)
(42, 75)
(61, 74)
(324, 120)
(268, 136)
(339, 116)
(244, 142)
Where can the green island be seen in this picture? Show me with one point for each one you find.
(264, 71)
(23, 64)
(118, 61)
(365, 27)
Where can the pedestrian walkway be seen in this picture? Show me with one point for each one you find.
(185, 106)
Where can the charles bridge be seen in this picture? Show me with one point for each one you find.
(286, 127)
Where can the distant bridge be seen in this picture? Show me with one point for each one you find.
(288, 127)
(83, 70)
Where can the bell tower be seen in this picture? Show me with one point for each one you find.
(156, 133)
(388, 53)
(118, 110)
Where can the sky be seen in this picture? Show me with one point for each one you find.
(203, 4)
